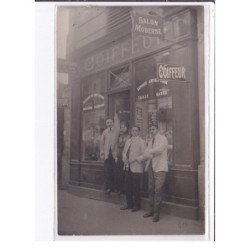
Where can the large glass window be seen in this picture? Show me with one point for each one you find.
(93, 116)
(153, 98)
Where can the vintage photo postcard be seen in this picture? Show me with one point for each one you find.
(132, 119)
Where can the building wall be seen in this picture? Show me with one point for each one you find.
(63, 92)
(63, 103)
(62, 31)
(183, 178)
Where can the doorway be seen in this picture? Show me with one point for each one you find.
(119, 103)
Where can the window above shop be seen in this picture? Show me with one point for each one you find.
(119, 78)
(96, 22)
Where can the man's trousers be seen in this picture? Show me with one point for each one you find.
(119, 176)
(132, 188)
(110, 166)
(156, 181)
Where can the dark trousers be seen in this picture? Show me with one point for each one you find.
(156, 182)
(132, 188)
(119, 176)
(110, 166)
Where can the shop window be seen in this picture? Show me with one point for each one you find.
(93, 116)
(119, 78)
(153, 98)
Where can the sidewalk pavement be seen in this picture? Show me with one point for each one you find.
(83, 216)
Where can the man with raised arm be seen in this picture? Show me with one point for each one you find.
(108, 151)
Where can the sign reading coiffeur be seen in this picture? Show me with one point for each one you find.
(147, 25)
(171, 73)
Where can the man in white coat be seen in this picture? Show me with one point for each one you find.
(157, 167)
(134, 147)
(108, 152)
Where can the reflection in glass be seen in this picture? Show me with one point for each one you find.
(93, 115)
(153, 99)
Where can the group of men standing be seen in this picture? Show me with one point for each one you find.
(127, 156)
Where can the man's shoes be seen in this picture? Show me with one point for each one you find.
(108, 191)
(135, 209)
(148, 214)
(156, 218)
(125, 207)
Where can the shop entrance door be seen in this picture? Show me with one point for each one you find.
(119, 103)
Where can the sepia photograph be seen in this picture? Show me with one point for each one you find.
(130, 93)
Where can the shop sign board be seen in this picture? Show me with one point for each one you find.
(171, 73)
(139, 116)
(152, 119)
(62, 102)
(120, 52)
(66, 66)
(147, 25)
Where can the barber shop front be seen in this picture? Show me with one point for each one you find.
(144, 80)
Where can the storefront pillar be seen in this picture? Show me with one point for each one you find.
(75, 130)
(201, 89)
(63, 136)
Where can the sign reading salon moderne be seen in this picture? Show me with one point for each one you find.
(147, 25)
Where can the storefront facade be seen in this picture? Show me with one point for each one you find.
(118, 73)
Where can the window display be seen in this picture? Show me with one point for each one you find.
(153, 98)
(93, 116)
